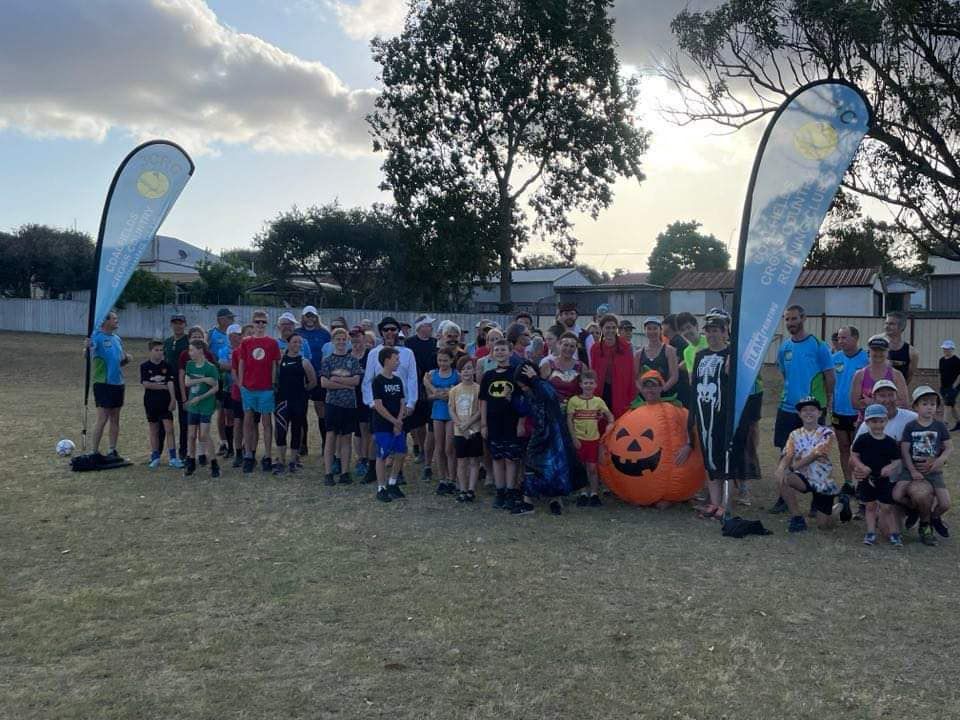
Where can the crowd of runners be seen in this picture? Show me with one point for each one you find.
(524, 411)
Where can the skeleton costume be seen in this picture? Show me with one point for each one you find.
(710, 395)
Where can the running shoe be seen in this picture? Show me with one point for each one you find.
(470, 496)
(190, 467)
(845, 514)
(461, 497)
(222, 451)
(797, 524)
(176, 463)
(383, 495)
(556, 507)
(870, 539)
(522, 508)
(500, 500)
(395, 492)
(266, 465)
(895, 540)
(238, 460)
(940, 526)
(911, 519)
(779, 507)
(154, 463)
(926, 536)
(583, 500)
(293, 467)
(202, 461)
(427, 473)
(214, 469)
(345, 479)
(248, 465)
(595, 501)
(278, 468)
(328, 480)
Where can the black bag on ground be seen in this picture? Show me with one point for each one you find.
(737, 527)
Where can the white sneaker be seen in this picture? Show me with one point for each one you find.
(154, 463)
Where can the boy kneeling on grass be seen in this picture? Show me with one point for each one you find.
(159, 402)
(202, 380)
(875, 462)
(388, 412)
(806, 468)
(924, 448)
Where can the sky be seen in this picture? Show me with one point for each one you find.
(269, 97)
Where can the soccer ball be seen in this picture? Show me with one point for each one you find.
(65, 447)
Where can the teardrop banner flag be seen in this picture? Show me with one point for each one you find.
(144, 189)
(805, 152)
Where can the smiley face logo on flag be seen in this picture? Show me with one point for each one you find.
(816, 140)
(153, 184)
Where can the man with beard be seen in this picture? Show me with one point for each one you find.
(567, 316)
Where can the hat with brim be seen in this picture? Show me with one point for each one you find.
(884, 384)
(287, 317)
(651, 377)
(178, 317)
(388, 320)
(808, 401)
(652, 321)
(948, 345)
(878, 342)
(922, 392)
(875, 411)
(234, 329)
(626, 325)
(310, 310)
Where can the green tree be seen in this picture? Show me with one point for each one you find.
(548, 260)
(740, 60)
(246, 258)
(147, 290)
(867, 243)
(498, 103)
(220, 282)
(682, 247)
(53, 259)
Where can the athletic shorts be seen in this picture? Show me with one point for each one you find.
(821, 503)
(420, 415)
(785, 424)
(340, 420)
(261, 401)
(589, 451)
(468, 447)
(510, 449)
(234, 406)
(318, 394)
(845, 422)
(158, 413)
(222, 397)
(197, 418)
(363, 418)
(934, 478)
(389, 444)
(876, 490)
(108, 396)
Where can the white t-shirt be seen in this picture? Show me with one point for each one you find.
(894, 427)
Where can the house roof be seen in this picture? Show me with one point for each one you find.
(167, 254)
(724, 279)
(541, 275)
(638, 278)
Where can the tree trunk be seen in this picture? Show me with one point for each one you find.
(505, 250)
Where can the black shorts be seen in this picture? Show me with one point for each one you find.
(340, 420)
(420, 415)
(876, 490)
(108, 396)
(949, 396)
(507, 449)
(821, 503)
(470, 447)
(845, 422)
(157, 412)
(318, 394)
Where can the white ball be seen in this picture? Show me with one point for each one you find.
(65, 447)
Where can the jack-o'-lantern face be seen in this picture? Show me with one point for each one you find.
(632, 454)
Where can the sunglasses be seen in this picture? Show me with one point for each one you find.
(390, 329)
(259, 322)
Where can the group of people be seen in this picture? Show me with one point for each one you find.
(527, 409)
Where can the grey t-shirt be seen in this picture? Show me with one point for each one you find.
(925, 441)
(341, 366)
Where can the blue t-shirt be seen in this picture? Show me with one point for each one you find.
(316, 339)
(803, 365)
(327, 349)
(845, 367)
(106, 350)
(441, 410)
(226, 377)
(217, 339)
(305, 350)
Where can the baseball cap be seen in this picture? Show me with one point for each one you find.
(878, 342)
(922, 391)
(225, 312)
(880, 384)
(387, 321)
(178, 317)
(874, 411)
(483, 322)
(626, 324)
(423, 320)
(808, 401)
(356, 330)
(948, 345)
(235, 328)
(310, 310)
(651, 319)
(651, 376)
(603, 309)
(287, 317)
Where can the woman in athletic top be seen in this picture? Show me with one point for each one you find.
(861, 387)
(295, 378)
(658, 356)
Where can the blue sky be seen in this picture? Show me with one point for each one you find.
(269, 96)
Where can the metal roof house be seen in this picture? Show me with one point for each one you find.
(627, 294)
(530, 289)
(852, 292)
(944, 284)
(174, 260)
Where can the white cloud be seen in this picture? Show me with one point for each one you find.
(364, 19)
(169, 68)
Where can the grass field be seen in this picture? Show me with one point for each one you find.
(139, 594)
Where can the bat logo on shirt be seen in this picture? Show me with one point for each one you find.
(500, 389)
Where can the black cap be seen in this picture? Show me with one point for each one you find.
(808, 401)
(387, 321)
(225, 312)
(178, 316)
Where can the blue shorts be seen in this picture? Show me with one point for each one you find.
(197, 418)
(389, 444)
(260, 401)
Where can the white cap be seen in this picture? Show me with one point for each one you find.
(235, 328)
(423, 320)
(924, 390)
(884, 384)
(948, 345)
(310, 310)
(287, 317)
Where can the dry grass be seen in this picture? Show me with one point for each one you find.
(138, 594)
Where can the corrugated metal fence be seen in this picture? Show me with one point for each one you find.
(66, 317)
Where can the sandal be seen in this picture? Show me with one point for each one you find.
(711, 512)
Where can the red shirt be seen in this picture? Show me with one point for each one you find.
(235, 365)
(258, 355)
